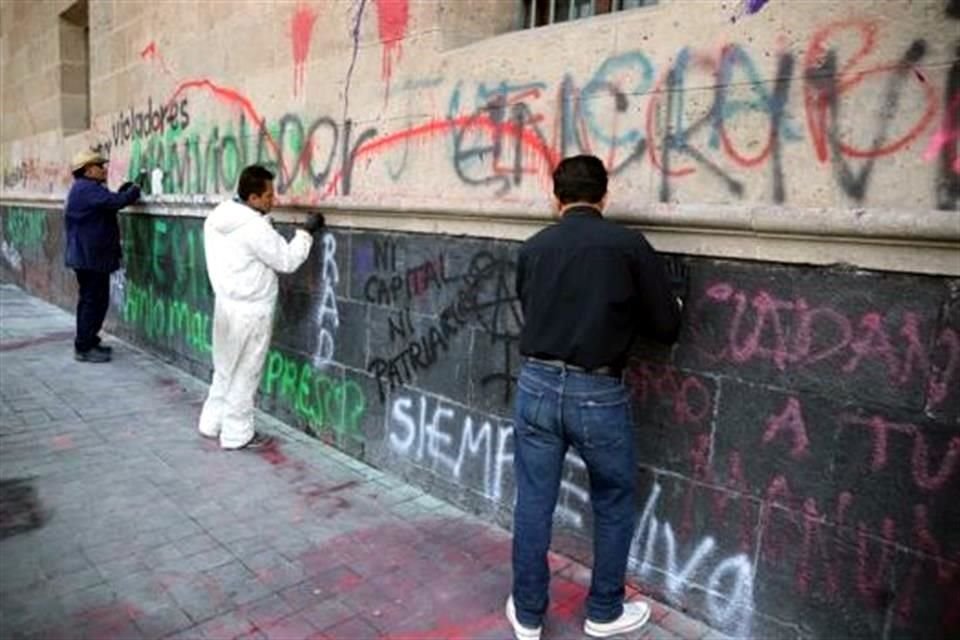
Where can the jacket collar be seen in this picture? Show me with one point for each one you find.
(582, 211)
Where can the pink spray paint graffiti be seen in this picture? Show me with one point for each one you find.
(301, 31)
(392, 19)
(150, 52)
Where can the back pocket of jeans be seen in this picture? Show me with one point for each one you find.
(604, 424)
(531, 412)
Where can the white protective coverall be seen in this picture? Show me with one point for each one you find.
(243, 254)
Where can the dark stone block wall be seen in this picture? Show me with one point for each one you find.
(799, 449)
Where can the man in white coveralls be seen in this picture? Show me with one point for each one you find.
(244, 254)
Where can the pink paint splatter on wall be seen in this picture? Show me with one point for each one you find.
(392, 19)
(301, 31)
(150, 52)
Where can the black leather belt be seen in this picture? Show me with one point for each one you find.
(560, 364)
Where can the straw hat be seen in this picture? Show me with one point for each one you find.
(84, 158)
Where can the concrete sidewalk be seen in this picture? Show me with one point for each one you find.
(118, 521)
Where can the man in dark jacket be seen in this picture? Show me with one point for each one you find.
(93, 247)
(588, 288)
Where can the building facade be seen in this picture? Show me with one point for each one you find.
(798, 449)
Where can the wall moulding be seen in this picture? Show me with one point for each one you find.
(881, 239)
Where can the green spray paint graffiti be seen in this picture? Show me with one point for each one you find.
(326, 403)
(167, 254)
(209, 163)
(25, 227)
(162, 318)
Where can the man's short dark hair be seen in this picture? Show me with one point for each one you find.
(580, 179)
(253, 181)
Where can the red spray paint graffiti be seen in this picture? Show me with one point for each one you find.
(301, 30)
(544, 156)
(850, 75)
(947, 137)
(150, 52)
(392, 18)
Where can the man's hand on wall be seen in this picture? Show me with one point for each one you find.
(314, 223)
(679, 275)
(126, 187)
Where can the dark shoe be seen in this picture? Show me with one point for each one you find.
(103, 348)
(94, 355)
(258, 442)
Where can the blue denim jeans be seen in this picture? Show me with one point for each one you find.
(556, 408)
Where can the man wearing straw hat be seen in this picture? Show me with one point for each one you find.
(93, 247)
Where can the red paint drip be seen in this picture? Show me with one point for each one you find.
(150, 52)
(301, 30)
(392, 19)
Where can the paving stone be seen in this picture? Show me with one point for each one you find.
(232, 624)
(200, 601)
(268, 611)
(163, 622)
(82, 579)
(289, 628)
(656, 632)
(161, 556)
(356, 627)
(684, 626)
(81, 600)
(114, 569)
(305, 594)
(196, 543)
(200, 561)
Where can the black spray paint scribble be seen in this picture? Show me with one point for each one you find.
(485, 299)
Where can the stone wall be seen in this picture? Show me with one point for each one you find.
(799, 449)
(370, 104)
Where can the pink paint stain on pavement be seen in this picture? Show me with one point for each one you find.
(301, 32)
(62, 443)
(56, 336)
(392, 19)
(272, 454)
(433, 578)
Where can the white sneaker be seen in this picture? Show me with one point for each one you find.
(520, 631)
(634, 616)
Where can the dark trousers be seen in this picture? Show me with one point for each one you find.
(558, 408)
(91, 307)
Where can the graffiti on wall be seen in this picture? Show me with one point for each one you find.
(330, 405)
(328, 318)
(34, 174)
(25, 228)
(481, 295)
(729, 141)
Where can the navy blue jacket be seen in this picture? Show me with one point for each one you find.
(93, 235)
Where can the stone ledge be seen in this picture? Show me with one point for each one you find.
(880, 239)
